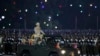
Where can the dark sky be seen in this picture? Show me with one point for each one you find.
(65, 14)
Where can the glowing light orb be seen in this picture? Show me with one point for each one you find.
(3, 17)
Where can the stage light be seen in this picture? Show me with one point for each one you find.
(81, 11)
(5, 9)
(80, 5)
(9, 24)
(36, 12)
(20, 18)
(89, 14)
(3, 27)
(26, 10)
(45, 0)
(63, 51)
(71, 5)
(3, 17)
(57, 14)
(91, 5)
(42, 7)
(41, 2)
(36, 6)
(44, 22)
(49, 17)
(56, 27)
(19, 11)
(95, 6)
(47, 24)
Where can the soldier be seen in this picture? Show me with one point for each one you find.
(1, 44)
(1, 39)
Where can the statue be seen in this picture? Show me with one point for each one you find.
(38, 34)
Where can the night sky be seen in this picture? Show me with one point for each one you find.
(59, 14)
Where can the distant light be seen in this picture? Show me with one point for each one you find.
(89, 14)
(9, 24)
(57, 14)
(42, 6)
(91, 5)
(5, 9)
(56, 27)
(26, 10)
(49, 17)
(0, 19)
(3, 27)
(20, 18)
(36, 12)
(36, 6)
(81, 11)
(60, 6)
(41, 2)
(45, 0)
(79, 51)
(71, 5)
(63, 51)
(44, 22)
(19, 11)
(47, 24)
(95, 6)
(3, 17)
(14, 3)
(80, 5)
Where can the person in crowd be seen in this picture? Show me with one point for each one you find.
(1, 39)
(72, 53)
(1, 45)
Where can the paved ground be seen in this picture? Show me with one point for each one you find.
(7, 55)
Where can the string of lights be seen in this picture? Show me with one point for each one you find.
(14, 12)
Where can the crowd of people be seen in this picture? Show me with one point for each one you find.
(88, 42)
